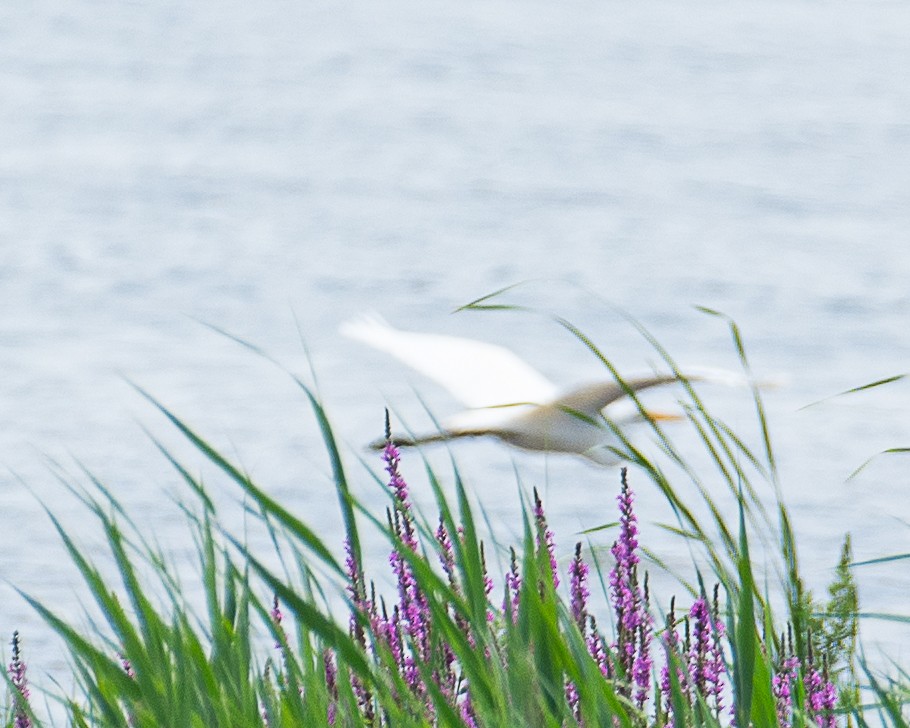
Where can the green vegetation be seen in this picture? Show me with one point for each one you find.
(453, 644)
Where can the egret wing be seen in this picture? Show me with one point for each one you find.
(590, 399)
(476, 373)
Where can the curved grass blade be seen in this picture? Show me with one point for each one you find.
(880, 560)
(854, 390)
(480, 304)
(889, 451)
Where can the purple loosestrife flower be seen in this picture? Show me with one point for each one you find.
(828, 701)
(572, 700)
(467, 712)
(356, 586)
(578, 589)
(623, 584)
(20, 683)
(381, 627)
(364, 700)
(487, 582)
(399, 490)
(545, 536)
(276, 616)
(446, 553)
(414, 609)
(641, 668)
(673, 649)
(700, 616)
(821, 695)
(404, 526)
(513, 589)
(331, 683)
(597, 649)
(578, 593)
(626, 595)
(664, 697)
(357, 590)
(393, 637)
(782, 689)
(487, 579)
(706, 661)
(717, 667)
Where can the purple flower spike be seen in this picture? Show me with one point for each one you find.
(487, 582)
(331, 677)
(572, 700)
(828, 702)
(446, 553)
(716, 665)
(393, 637)
(20, 683)
(545, 536)
(782, 688)
(399, 488)
(706, 659)
(701, 644)
(821, 697)
(513, 589)
(276, 616)
(597, 649)
(392, 457)
(670, 639)
(467, 713)
(578, 588)
(487, 579)
(633, 622)
(623, 581)
(357, 589)
(414, 610)
(355, 578)
(628, 528)
(641, 668)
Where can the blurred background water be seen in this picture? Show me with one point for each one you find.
(274, 168)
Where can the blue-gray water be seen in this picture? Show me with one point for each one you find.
(259, 165)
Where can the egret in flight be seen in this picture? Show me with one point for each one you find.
(507, 398)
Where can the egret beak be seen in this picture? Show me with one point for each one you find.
(664, 416)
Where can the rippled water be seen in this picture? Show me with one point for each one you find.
(259, 166)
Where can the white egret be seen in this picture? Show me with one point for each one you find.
(507, 398)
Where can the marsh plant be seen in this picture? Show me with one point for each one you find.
(447, 649)
(452, 643)
(412, 637)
